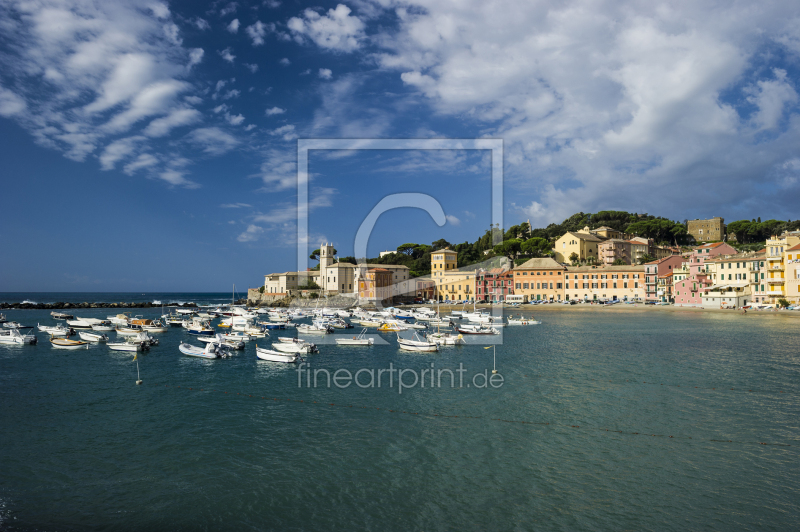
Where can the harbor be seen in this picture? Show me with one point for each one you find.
(646, 410)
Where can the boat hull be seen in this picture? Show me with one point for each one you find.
(275, 356)
(59, 343)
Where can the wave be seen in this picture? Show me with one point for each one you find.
(29, 301)
(156, 302)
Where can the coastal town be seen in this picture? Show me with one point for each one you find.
(602, 264)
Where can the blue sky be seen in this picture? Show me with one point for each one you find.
(151, 145)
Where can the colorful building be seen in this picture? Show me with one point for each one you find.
(777, 253)
(375, 286)
(654, 271)
(583, 244)
(452, 284)
(605, 283)
(494, 285)
(613, 250)
(709, 230)
(540, 279)
(691, 280)
(791, 264)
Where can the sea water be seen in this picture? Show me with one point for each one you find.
(617, 420)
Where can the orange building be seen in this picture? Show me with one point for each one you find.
(376, 286)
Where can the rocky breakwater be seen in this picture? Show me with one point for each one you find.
(61, 305)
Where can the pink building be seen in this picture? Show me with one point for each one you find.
(691, 279)
(494, 285)
(654, 270)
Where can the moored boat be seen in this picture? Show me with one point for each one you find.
(276, 356)
(58, 330)
(13, 336)
(361, 339)
(128, 346)
(93, 337)
(211, 350)
(417, 344)
(64, 343)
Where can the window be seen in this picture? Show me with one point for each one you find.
(636, 285)
(525, 285)
(558, 286)
(615, 285)
(594, 285)
(624, 285)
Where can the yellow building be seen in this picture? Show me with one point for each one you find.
(778, 251)
(605, 283)
(540, 279)
(791, 261)
(451, 284)
(584, 245)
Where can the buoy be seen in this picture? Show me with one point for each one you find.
(494, 371)
(139, 381)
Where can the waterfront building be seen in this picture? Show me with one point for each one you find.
(737, 279)
(777, 253)
(452, 284)
(711, 230)
(281, 283)
(664, 288)
(792, 271)
(583, 244)
(613, 250)
(605, 283)
(691, 280)
(375, 286)
(540, 279)
(494, 285)
(654, 271)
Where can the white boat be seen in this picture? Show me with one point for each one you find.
(201, 327)
(13, 336)
(174, 320)
(90, 321)
(361, 339)
(311, 348)
(293, 347)
(392, 327)
(61, 315)
(221, 340)
(143, 336)
(476, 329)
(255, 332)
(238, 336)
(128, 346)
(63, 343)
(447, 338)
(155, 327)
(418, 344)
(314, 329)
(523, 321)
(370, 323)
(211, 350)
(93, 337)
(79, 324)
(58, 330)
(129, 330)
(119, 319)
(276, 356)
(15, 325)
(104, 326)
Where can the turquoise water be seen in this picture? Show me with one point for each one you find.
(83, 447)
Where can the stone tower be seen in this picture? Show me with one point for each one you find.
(325, 260)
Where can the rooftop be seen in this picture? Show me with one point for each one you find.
(544, 263)
(607, 268)
(584, 236)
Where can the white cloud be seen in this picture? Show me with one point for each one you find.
(452, 220)
(222, 107)
(213, 140)
(252, 68)
(250, 234)
(234, 120)
(201, 24)
(233, 27)
(176, 178)
(325, 73)
(10, 103)
(228, 9)
(249, 127)
(195, 56)
(285, 61)
(159, 9)
(177, 118)
(771, 96)
(256, 32)
(227, 55)
(275, 111)
(336, 30)
(154, 99)
(233, 93)
(118, 150)
(287, 132)
(172, 32)
(144, 160)
(193, 100)
(272, 4)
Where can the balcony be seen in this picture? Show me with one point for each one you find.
(776, 281)
(777, 267)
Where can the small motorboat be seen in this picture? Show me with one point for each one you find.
(475, 329)
(64, 343)
(79, 323)
(103, 326)
(15, 325)
(293, 347)
(314, 328)
(221, 340)
(13, 336)
(276, 356)
(128, 346)
(447, 338)
(211, 350)
(201, 328)
(370, 323)
(61, 315)
(153, 326)
(417, 344)
(361, 339)
(120, 319)
(392, 327)
(310, 348)
(238, 336)
(142, 337)
(523, 321)
(58, 330)
(93, 337)
(129, 330)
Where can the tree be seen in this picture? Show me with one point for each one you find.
(784, 303)
(619, 262)
(508, 248)
(591, 260)
(573, 258)
(646, 258)
(440, 244)
(537, 247)
(407, 249)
